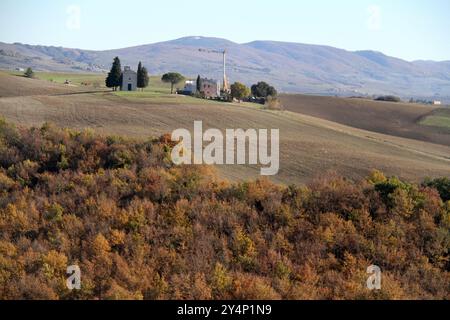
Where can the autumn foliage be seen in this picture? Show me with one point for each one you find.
(140, 228)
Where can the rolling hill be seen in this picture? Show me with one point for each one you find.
(19, 86)
(397, 119)
(291, 67)
(309, 145)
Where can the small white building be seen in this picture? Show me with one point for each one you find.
(190, 87)
(129, 80)
(436, 102)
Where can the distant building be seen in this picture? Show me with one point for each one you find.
(436, 103)
(129, 80)
(210, 88)
(190, 87)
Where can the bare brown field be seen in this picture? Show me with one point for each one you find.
(309, 145)
(398, 119)
(16, 85)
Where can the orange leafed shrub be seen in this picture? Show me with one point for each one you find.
(140, 228)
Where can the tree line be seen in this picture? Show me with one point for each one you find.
(259, 90)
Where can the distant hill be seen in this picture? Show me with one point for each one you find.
(291, 67)
(395, 119)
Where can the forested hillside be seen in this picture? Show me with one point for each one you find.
(140, 228)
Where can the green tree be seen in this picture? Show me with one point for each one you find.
(388, 98)
(263, 90)
(172, 78)
(114, 78)
(142, 77)
(139, 70)
(29, 73)
(442, 185)
(199, 83)
(239, 91)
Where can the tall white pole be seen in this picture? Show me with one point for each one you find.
(225, 86)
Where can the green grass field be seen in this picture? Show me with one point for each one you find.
(74, 78)
(439, 118)
(156, 86)
(157, 97)
(157, 93)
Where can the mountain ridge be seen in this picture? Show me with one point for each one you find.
(291, 67)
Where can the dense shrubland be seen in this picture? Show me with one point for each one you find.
(142, 229)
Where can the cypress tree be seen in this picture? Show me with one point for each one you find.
(114, 78)
(199, 83)
(145, 77)
(139, 76)
(142, 77)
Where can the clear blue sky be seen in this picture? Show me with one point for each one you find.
(408, 29)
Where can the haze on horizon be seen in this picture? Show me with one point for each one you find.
(411, 30)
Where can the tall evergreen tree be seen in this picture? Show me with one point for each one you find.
(114, 78)
(139, 76)
(199, 83)
(145, 77)
(139, 69)
(142, 77)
